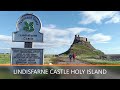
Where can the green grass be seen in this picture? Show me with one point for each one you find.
(54, 60)
(4, 58)
(47, 60)
(99, 61)
(6, 74)
(83, 49)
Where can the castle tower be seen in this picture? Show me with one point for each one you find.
(75, 36)
(77, 39)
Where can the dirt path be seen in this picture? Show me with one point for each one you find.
(67, 61)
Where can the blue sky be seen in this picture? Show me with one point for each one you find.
(59, 27)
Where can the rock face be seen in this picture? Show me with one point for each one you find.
(81, 45)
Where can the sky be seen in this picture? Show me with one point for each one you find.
(59, 27)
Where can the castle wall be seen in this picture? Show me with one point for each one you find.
(83, 39)
(78, 39)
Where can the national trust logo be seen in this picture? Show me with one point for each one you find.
(29, 26)
(28, 23)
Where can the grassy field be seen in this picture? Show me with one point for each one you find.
(4, 58)
(100, 61)
(90, 60)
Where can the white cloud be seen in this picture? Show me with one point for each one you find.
(58, 37)
(115, 19)
(5, 38)
(99, 16)
(51, 26)
(100, 38)
(7, 41)
(76, 30)
(4, 48)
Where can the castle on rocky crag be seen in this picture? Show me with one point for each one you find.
(83, 46)
(82, 41)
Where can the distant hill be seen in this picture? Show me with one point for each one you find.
(81, 46)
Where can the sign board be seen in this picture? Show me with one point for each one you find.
(26, 56)
(28, 27)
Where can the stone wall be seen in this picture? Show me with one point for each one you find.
(78, 38)
(83, 39)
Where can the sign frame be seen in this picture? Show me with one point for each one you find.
(24, 24)
(27, 49)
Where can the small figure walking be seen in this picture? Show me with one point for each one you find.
(74, 56)
(70, 57)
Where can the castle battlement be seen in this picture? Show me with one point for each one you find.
(80, 39)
